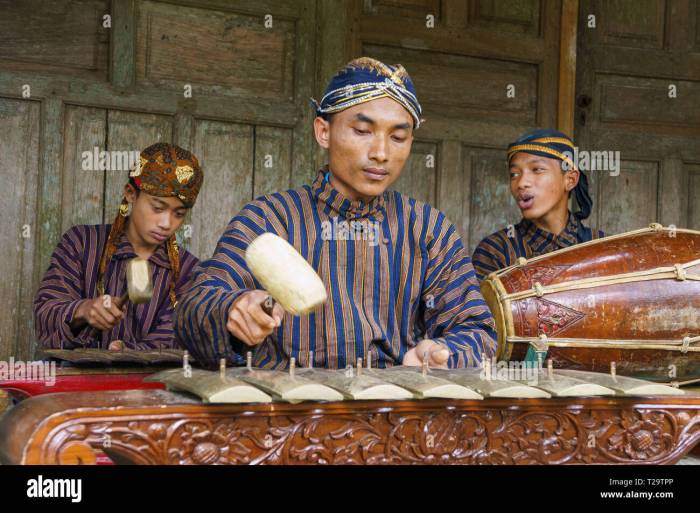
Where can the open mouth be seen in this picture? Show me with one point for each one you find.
(374, 173)
(525, 201)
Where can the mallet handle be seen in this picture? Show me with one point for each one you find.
(267, 305)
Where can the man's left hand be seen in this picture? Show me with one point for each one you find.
(439, 354)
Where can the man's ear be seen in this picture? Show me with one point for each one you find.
(322, 131)
(130, 193)
(571, 178)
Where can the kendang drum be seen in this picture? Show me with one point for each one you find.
(631, 299)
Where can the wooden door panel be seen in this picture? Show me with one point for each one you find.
(19, 159)
(222, 53)
(638, 92)
(83, 183)
(225, 151)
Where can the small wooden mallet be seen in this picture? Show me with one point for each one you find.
(139, 287)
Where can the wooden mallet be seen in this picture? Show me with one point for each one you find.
(139, 288)
(285, 275)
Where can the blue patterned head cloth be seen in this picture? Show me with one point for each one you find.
(365, 79)
(554, 144)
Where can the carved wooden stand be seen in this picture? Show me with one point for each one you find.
(160, 427)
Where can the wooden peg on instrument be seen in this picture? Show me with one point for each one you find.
(359, 366)
(425, 365)
(550, 369)
(539, 362)
(186, 369)
(249, 360)
(311, 359)
(222, 368)
(349, 373)
(613, 369)
(487, 369)
(369, 361)
(292, 366)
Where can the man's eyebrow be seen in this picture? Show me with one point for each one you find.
(532, 160)
(161, 203)
(361, 117)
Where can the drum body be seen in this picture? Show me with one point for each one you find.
(632, 299)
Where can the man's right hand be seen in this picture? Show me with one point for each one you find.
(103, 313)
(248, 322)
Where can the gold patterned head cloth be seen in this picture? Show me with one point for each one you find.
(168, 170)
(365, 79)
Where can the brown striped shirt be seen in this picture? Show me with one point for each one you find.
(72, 277)
(385, 293)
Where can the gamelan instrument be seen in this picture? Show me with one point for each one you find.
(632, 298)
(361, 415)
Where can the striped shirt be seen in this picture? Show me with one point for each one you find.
(72, 277)
(525, 239)
(386, 292)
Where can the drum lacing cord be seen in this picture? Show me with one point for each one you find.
(540, 344)
(539, 291)
(686, 343)
(680, 272)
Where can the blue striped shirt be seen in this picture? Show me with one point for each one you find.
(411, 280)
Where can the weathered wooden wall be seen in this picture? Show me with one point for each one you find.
(626, 65)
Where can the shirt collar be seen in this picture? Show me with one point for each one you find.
(535, 236)
(124, 250)
(329, 196)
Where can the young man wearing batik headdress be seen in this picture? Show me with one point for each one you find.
(81, 300)
(403, 290)
(542, 177)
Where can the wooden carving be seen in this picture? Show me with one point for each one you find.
(158, 427)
